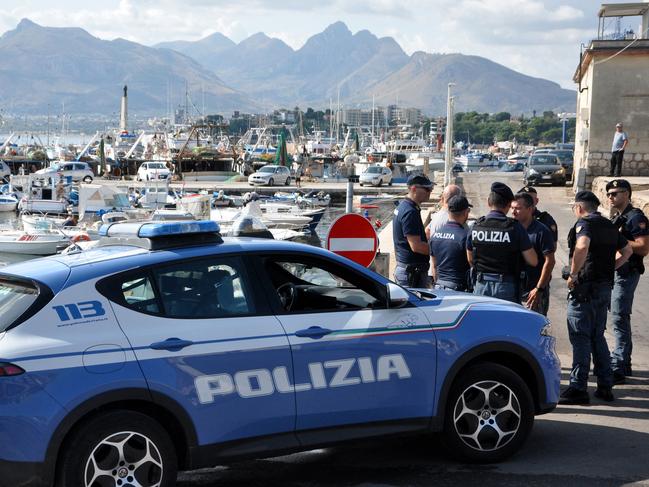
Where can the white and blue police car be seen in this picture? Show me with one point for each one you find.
(168, 348)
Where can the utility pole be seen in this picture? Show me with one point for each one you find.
(449, 136)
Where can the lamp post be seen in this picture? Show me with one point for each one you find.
(448, 160)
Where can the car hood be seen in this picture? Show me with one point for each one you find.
(546, 167)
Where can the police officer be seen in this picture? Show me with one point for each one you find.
(495, 248)
(633, 224)
(596, 250)
(542, 216)
(536, 283)
(409, 237)
(448, 248)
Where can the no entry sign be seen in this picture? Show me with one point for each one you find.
(354, 237)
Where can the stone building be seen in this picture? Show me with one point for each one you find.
(613, 81)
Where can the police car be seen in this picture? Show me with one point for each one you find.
(169, 348)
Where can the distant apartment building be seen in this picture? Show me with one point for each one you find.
(613, 86)
(403, 116)
(356, 117)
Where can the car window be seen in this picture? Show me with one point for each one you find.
(15, 298)
(543, 160)
(311, 285)
(209, 288)
(373, 170)
(138, 294)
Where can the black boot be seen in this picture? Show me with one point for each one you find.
(605, 394)
(574, 396)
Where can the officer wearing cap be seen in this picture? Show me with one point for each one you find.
(596, 250)
(495, 248)
(448, 247)
(536, 282)
(409, 237)
(633, 224)
(542, 216)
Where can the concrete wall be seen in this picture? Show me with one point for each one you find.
(618, 91)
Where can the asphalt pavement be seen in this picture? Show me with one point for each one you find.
(603, 444)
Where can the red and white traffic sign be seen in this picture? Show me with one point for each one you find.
(354, 237)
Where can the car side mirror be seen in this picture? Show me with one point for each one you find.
(397, 296)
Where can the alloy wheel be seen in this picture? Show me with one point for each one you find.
(487, 415)
(124, 459)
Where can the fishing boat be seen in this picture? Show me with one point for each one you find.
(8, 203)
(42, 243)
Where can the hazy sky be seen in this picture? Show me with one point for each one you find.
(537, 37)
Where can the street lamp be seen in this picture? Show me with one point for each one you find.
(448, 160)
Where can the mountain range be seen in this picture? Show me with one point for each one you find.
(45, 65)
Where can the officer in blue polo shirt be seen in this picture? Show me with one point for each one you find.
(542, 216)
(409, 237)
(448, 248)
(495, 248)
(536, 283)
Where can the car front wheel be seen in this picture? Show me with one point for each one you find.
(489, 414)
(118, 448)
(87, 179)
(271, 182)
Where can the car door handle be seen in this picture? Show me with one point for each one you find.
(171, 344)
(313, 332)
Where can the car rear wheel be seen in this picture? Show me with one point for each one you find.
(120, 448)
(87, 179)
(489, 414)
(271, 182)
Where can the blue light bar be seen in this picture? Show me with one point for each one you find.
(158, 229)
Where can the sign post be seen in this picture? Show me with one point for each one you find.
(354, 237)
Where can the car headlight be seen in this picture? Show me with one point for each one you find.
(533, 171)
(560, 171)
(546, 331)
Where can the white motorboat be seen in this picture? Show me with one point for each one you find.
(8, 203)
(21, 242)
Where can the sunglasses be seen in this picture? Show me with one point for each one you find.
(613, 194)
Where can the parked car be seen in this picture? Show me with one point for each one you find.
(152, 170)
(512, 167)
(566, 158)
(167, 347)
(544, 168)
(78, 171)
(271, 174)
(376, 176)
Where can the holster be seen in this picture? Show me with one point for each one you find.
(413, 272)
(580, 293)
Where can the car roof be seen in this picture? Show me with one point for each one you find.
(110, 259)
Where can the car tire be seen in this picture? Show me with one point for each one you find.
(271, 182)
(487, 394)
(361, 184)
(288, 181)
(87, 179)
(380, 182)
(127, 446)
(390, 183)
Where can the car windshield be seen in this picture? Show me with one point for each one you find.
(15, 298)
(543, 160)
(54, 167)
(373, 170)
(157, 165)
(564, 156)
(267, 169)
